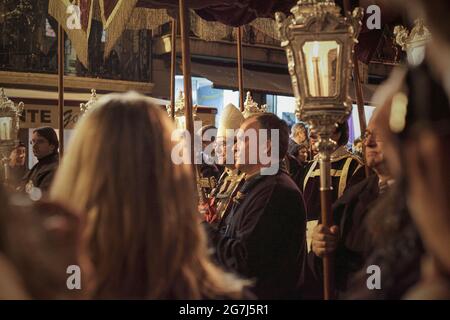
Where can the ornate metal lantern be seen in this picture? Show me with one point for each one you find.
(84, 107)
(413, 43)
(319, 44)
(180, 118)
(9, 129)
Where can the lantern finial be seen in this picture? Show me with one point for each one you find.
(251, 107)
(413, 43)
(84, 107)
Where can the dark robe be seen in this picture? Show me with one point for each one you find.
(294, 168)
(349, 213)
(263, 236)
(397, 249)
(42, 173)
(346, 170)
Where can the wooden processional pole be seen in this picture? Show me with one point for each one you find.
(240, 69)
(173, 66)
(61, 88)
(186, 57)
(358, 88)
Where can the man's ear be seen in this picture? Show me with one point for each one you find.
(269, 148)
(52, 148)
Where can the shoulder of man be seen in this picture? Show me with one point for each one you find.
(353, 192)
(269, 186)
(48, 167)
(285, 193)
(343, 154)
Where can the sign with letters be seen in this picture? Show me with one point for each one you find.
(35, 116)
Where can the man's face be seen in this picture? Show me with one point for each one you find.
(374, 147)
(223, 146)
(301, 135)
(247, 148)
(313, 139)
(359, 146)
(302, 155)
(41, 146)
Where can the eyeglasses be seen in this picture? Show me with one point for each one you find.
(371, 134)
(38, 141)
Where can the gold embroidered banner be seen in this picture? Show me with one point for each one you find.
(118, 15)
(77, 25)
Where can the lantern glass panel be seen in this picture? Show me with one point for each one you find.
(322, 67)
(415, 55)
(5, 128)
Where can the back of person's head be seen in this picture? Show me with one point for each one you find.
(39, 241)
(269, 121)
(50, 135)
(344, 131)
(142, 232)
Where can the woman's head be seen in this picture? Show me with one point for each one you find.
(142, 234)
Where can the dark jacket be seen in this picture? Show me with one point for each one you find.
(263, 237)
(42, 173)
(349, 213)
(294, 168)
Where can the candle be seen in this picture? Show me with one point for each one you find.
(5, 132)
(316, 63)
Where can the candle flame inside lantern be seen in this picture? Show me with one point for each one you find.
(315, 50)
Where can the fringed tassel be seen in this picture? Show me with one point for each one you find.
(209, 31)
(266, 26)
(148, 19)
(116, 22)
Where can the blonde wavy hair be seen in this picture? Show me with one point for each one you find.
(142, 234)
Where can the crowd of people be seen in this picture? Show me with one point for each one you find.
(140, 226)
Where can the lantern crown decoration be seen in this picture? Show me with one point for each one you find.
(180, 121)
(251, 107)
(319, 43)
(418, 36)
(179, 106)
(84, 107)
(413, 43)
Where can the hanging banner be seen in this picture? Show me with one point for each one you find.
(76, 19)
